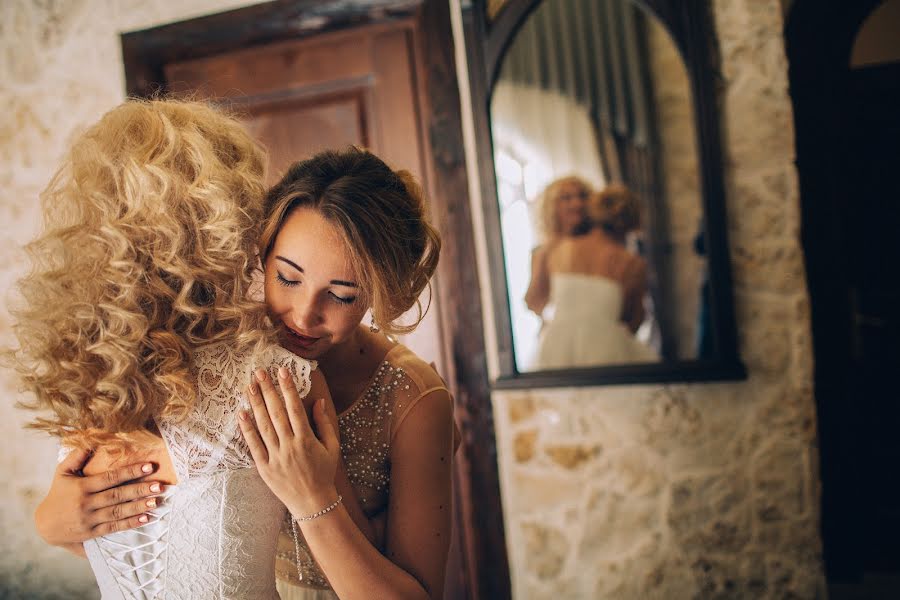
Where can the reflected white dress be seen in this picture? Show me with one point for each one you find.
(583, 326)
(215, 533)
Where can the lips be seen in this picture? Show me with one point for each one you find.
(304, 341)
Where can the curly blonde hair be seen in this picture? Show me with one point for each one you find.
(549, 198)
(148, 252)
(381, 215)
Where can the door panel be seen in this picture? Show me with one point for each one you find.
(354, 86)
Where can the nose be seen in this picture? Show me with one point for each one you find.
(306, 312)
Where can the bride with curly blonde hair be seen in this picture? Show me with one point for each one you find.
(367, 479)
(138, 333)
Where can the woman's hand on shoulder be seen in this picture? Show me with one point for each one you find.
(78, 507)
(297, 465)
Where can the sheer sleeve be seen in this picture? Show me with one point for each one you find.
(421, 381)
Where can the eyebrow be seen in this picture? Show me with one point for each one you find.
(299, 268)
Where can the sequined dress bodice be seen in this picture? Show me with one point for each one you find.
(367, 429)
(214, 534)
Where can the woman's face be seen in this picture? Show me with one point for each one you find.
(310, 288)
(571, 207)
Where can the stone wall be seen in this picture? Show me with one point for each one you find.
(61, 68)
(690, 491)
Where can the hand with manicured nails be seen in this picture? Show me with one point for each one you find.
(297, 465)
(78, 507)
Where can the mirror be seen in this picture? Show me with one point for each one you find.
(602, 190)
(598, 186)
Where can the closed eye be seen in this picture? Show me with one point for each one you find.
(284, 281)
(341, 299)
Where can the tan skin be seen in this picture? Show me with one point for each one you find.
(312, 297)
(311, 293)
(570, 211)
(600, 254)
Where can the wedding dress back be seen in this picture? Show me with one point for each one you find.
(584, 327)
(215, 533)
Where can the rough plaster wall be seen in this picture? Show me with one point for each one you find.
(690, 491)
(61, 68)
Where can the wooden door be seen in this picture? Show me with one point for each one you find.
(353, 86)
(848, 154)
(869, 205)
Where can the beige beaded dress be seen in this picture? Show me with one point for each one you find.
(367, 429)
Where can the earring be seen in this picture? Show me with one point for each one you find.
(373, 327)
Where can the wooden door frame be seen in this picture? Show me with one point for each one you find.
(145, 53)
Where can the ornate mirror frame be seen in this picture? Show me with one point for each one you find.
(489, 28)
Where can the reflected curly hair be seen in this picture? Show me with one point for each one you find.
(381, 215)
(148, 253)
(549, 219)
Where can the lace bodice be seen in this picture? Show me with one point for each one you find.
(367, 429)
(215, 533)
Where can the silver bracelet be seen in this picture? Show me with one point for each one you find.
(294, 520)
(327, 509)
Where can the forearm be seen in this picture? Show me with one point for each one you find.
(45, 532)
(354, 567)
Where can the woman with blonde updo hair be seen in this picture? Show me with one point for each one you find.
(616, 210)
(368, 480)
(596, 290)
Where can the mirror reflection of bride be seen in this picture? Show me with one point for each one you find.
(596, 289)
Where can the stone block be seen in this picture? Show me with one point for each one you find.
(768, 266)
(710, 513)
(524, 445)
(780, 481)
(521, 409)
(541, 492)
(764, 324)
(573, 456)
(546, 549)
(618, 525)
(723, 577)
(797, 580)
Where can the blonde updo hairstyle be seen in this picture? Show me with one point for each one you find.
(148, 252)
(381, 216)
(549, 219)
(616, 209)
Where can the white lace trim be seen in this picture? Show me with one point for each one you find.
(209, 441)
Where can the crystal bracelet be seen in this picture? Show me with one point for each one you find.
(294, 520)
(327, 509)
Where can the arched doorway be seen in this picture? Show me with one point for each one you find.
(847, 115)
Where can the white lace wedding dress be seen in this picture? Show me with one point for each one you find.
(584, 328)
(215, 533)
